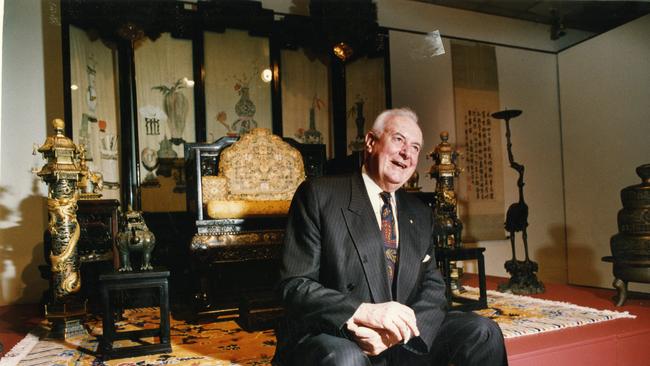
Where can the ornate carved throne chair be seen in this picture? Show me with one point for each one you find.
(243, 191)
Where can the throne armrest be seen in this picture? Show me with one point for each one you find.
(202, 160)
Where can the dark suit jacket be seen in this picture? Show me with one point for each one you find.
(333, 260)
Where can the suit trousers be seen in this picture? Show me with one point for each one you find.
(464, 339)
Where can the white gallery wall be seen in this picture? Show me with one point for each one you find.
(23, 210)
(605, 101)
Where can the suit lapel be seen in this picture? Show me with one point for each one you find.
(409, 258)
(365, 234)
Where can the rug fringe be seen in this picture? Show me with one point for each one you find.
(20, 350)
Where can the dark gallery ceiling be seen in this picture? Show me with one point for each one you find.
(591, 16)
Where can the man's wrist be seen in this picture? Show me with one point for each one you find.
(416, 345)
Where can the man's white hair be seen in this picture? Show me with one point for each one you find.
(380, 122)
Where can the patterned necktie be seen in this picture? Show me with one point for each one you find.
(390, 239)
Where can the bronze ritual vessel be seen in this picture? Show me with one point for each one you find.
(631, 245)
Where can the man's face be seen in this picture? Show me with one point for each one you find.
(393, 156)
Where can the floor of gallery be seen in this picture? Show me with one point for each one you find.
(614, 342)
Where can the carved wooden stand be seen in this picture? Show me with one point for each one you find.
(119, 281)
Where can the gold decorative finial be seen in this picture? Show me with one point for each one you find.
(58, 125)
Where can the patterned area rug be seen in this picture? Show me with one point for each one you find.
(225, 343)
(522, 315)
(215, 343)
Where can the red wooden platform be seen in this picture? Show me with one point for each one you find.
(616, 342)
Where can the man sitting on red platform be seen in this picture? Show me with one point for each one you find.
(359, 279)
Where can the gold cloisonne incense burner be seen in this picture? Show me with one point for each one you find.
(448, 227)
(444, 170)
(61, 173)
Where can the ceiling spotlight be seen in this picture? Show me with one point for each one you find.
(557, 25)
(343, 51)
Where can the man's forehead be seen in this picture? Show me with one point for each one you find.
(406, 127)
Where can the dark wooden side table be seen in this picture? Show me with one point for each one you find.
(444, 257)
(99, 223)
(98, 220)
(119, 281)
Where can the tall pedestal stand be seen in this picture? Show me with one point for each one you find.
(523, 279)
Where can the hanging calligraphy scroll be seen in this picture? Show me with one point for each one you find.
(476, 97)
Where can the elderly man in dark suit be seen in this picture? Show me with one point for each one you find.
(359, 279)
